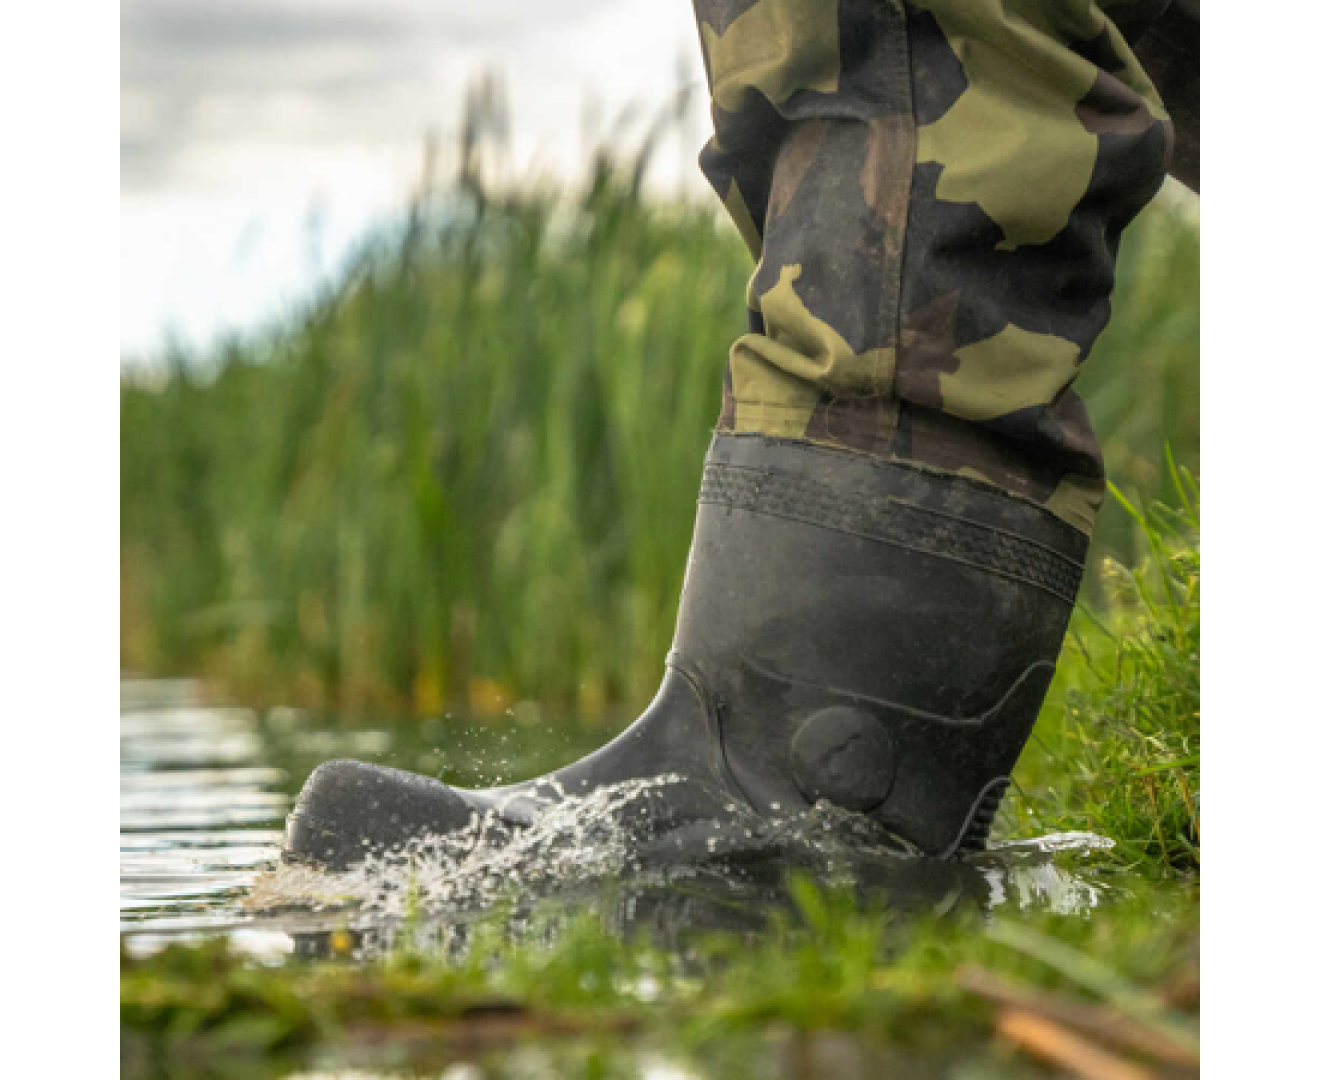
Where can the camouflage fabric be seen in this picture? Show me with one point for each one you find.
(933, 191)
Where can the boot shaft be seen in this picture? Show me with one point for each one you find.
(869, 633)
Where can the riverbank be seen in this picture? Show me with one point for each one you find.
(812, 977)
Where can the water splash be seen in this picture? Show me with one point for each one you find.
(581, 844)
(577, 840)
(205, 787)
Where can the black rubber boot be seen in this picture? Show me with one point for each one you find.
(870, 634)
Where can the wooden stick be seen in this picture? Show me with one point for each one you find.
(1100, 1022)
(1048, 1041)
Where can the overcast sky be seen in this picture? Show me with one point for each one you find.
(239, 116)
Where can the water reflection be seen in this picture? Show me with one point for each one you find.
(488, 1049)
(205, 789)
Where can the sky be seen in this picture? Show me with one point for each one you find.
(243, 122)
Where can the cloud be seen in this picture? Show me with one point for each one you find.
(201, 77)
(219, 25)
(238, 117)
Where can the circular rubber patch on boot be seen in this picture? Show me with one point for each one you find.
(844, 755)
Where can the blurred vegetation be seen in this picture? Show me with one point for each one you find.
(1117, 989)
(466, 472)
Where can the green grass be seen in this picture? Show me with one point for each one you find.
(466, 473)
(826, 966)
(1118, 748)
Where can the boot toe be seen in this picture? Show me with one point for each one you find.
(350, 809)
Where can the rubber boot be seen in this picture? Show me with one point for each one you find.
(851, 630)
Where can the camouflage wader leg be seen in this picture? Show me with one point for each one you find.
(934, 192)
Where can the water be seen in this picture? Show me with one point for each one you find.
(205, 789)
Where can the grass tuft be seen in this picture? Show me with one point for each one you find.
(1118, 749)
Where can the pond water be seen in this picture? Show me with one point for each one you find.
(205, 789)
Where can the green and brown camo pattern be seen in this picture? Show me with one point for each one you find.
(934, 192)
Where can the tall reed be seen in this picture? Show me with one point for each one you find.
(465, 472)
